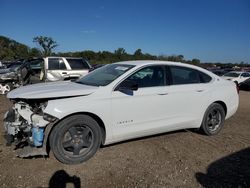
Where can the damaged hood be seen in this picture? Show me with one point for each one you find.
(52, 90)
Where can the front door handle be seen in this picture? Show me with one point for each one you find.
(64, 72)
(162, 94)
(200, 90)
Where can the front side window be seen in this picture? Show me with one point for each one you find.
(149, 77)
(183, 75)
(77, 64)
(56, 64)
(104, 75)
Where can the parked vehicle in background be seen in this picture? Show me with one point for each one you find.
(117, 102)
(42, 70)
(15, 75)
(64, 68)
(245, 85)
(219, 72)
(236, 76)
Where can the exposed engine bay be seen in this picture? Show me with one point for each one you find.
(25, 125)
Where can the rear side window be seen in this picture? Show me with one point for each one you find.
(56, 64)
(77, 64)
(204, 78)
(183, 75)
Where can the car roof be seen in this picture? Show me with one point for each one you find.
(65, 57)
(157, 62)
(239, 72)
(141, 63)
(148, 62)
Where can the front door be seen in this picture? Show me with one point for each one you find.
(138, 113)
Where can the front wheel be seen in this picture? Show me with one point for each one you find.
(213, 119)
(75, 139)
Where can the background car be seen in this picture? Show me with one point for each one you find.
(64, 68)
(245, 85)
(15, 75)
(236, 76)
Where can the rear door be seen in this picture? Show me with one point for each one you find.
(191, 90)
(56, 69)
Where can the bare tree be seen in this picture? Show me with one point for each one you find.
(46, 43)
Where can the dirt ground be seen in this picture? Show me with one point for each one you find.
(178, 159)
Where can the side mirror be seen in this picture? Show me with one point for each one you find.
(127, 85)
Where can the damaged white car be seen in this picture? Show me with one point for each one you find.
(116, 102)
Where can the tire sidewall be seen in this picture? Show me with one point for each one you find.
(205, 127)
(59, 131)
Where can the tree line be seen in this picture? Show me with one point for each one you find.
(11, 50)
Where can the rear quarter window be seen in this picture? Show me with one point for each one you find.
(77, 64)
(204, 78)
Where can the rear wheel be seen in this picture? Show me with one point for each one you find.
(213, 119)
(75, 139)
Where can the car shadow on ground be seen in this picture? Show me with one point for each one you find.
(230, 171)
(60, 179)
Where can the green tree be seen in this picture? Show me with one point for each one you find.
(34, 52)
(11, 49)
(138, 52)
(120, 53)
(195, 61)
(46, 43)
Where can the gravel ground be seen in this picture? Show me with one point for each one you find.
(177, 159)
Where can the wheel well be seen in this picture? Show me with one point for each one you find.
(95, 117)
(223, 105)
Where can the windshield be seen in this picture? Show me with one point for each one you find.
(232, 74)
(104, 75)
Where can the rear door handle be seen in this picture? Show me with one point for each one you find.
(64, 72)
(200, 90)
(162, 93)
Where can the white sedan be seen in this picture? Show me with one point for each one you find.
(236, 76)
(117, 102)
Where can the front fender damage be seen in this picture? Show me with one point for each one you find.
(27, 129)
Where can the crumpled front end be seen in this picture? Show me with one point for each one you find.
(26, 126)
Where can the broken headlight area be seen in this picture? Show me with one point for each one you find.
(25, 126)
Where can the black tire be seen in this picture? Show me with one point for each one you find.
(76, 139)
(213, 120)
